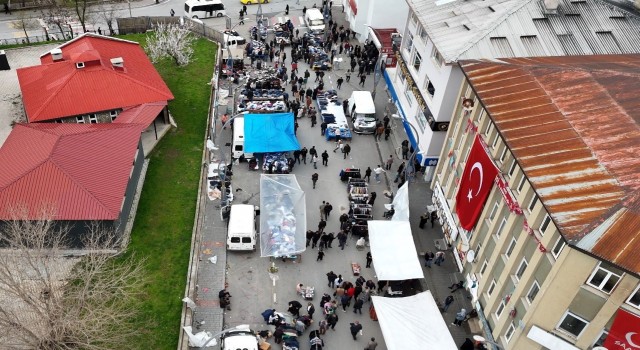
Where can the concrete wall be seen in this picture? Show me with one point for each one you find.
(375, 13)
(130, 192)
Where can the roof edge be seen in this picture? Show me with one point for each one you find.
(84, 35)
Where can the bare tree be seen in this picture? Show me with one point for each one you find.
(51, 301)
(81, 7)
(56, 13)
(24, 22)
(108, 14)
(171, 40)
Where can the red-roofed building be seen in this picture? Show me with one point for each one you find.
(83, 173)
(91, 79)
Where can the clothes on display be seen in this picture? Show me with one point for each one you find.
(275, 163)
(358, 191)
(348, 173)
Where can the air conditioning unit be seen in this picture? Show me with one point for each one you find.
(117, 62)
(56, 54)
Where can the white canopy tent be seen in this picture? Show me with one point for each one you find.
(401, 204)
(413, 322)
(394, 253)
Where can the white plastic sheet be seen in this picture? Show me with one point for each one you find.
(199, 339)
(401, 204)
(413, 322)
(283, 216)
(394, 253)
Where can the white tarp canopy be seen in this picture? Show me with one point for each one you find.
(413, 322)
(283, 216)
(401, 203)
(394, 253)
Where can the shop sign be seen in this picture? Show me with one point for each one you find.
(414, 87)
(442, 204)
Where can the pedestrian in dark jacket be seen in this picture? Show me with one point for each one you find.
(372, 198)
(342, 240)
(447, 302)
(314, 179)
(346, 149)
(327, 210)
(355, 327)
(423, 220)
(332, 320)
(330, 238)
(325, 158)
(320, 254)
(316, 236)
(321, 225)
(369, 260)
(310, 310)
(367, 174)
(323, 128)
(331, 277)
(357, 306)
(309, 237)
(323, 241)
(303, 153)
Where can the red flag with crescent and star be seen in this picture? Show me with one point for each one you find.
(475, 184)
(624, 333)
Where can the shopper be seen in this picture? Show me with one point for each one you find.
(428, 257)
(447, 302)
(331, 277)
(314, 179)
(332, 320)
(378, 171)
(460, 317)
(322, 206)
(303, 154)
(327, 210)
(310, 309)
(439, 258)
(316, 237)
(339, 81)
(367, 174)
(372, 344)
(320, 254)
(357, 306)
(325, 158)
(362, 79)
(345, 150)
(369, 260)
(389, 162)
(314, 160)
(355, 327)
(309, 237)
(372, 198)
(399, 172)
(321, 225)
(342, 240)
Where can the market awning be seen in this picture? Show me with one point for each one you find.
(401, 204)
(413, 322)
(394, 253)
(265, 133)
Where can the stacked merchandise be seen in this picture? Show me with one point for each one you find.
(331, 112)
(320, 60)
(257, 50)
(360, 211)
(262, 100)
(275, 163)
(282, 32)
(259, 31)
(358, 190)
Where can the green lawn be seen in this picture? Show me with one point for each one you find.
(164, 221)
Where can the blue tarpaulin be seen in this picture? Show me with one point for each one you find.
(265, 133)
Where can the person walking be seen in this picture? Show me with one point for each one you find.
(345, 301)
(332, 320)
(439, 258)
(286, 10)
(400, 171)
(389, 162)
(172, 12)
(303, 154)
(355, 327)
(321, 225)
(323, 128)
(320, 254)
(345, 150)
(372, 344)
(314, 179)
(327, 210)
(309, 237)
(347, 75)
(339, 81)
(405, 149)
(339, 145)
(325, 158)
(310, 310)
(367, 174)
(428, 258)
(241, 17)
(342, 240)
(357, 306)
(362, 79)
(372, 198)
(296, 156)
(338, 281)
(447, 302)
(314, 160)
(331, 277)
(369, 260)
(434, 217)
(423, 220)
(460, 317)
(315, 238)
(377, 172)
(321, 208)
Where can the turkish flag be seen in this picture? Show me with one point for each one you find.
(475, 184)
(624, 333)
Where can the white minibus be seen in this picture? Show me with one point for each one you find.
(204, 8)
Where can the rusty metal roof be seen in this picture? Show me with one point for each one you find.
(573, 124)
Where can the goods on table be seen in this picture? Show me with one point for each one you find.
(277, 162)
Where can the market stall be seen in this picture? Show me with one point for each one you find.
(413, 322)
(394, 253)
(283, 223)
(330, 109)
(271, 132)
(358, 190)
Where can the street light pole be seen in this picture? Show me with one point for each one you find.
(242, 327)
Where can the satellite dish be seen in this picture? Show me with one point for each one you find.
(464, 247)
(471, 255)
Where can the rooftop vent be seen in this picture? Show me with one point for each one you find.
(551, 6)
(117, 62)
(79, 65)
(56, 54)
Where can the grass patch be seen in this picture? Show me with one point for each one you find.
(164, 221)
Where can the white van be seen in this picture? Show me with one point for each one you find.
(362, 112)
(238, 139)
(241, 232)
(315, 20)
(233, 39)
(204, 8)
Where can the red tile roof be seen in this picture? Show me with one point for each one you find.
(81, 170)
(573, 124)
(143, 114)
(59, 89)
(384, 36)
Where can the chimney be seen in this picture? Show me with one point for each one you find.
(551, 6)
(56, 54)
(117, 62)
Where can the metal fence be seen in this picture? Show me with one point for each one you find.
(144, 24)
(52, 37)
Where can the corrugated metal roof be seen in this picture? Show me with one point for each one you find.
(59, 89)
(82, 170)
(573, 124)
(143, 114)
(465, 29)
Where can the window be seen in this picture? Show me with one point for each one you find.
(80, 120)
(423, 35)
(422, 120)
(495, 141)
(503, 155)
(500, 309)
(601, 338)
(494, 211)
(485, 264)
(533, 202)
(409, 95)
(572, 324)
(510, 248)
(533, 291)
(545, 224)
(604, 279)
(93, 119)
(113, 115)
(509, 333)
(429, 88)
(489, 128)
(503, 223)
(512, 167)
(409, 43)
(521, 269)
(557, 248)
(417, 60)
(435, 55)
(492, 286)
(521, 184)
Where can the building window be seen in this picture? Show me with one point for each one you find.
(93, 119)
(545, 224)
(113, 115)
(80, 120)
(634, 299)
(533, 202)
(510, 248)
(485, 264)
(495, 141)
(572, 324)
(523, 179)
(422, 120)
(409, 45)
(601, 338)
(437, 58)
(503, 155)
(417, 60)
(521, 269)
(512, 167)
(423, 35)
(509, 333)
(557, 248)
(604, 279)
(533, 291)
(429, 88)
(500, 309)
(489, 128)
(494, 211)
(492, 286)
(409, 95)
(503, 223)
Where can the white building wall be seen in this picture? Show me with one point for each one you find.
(375, 13)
